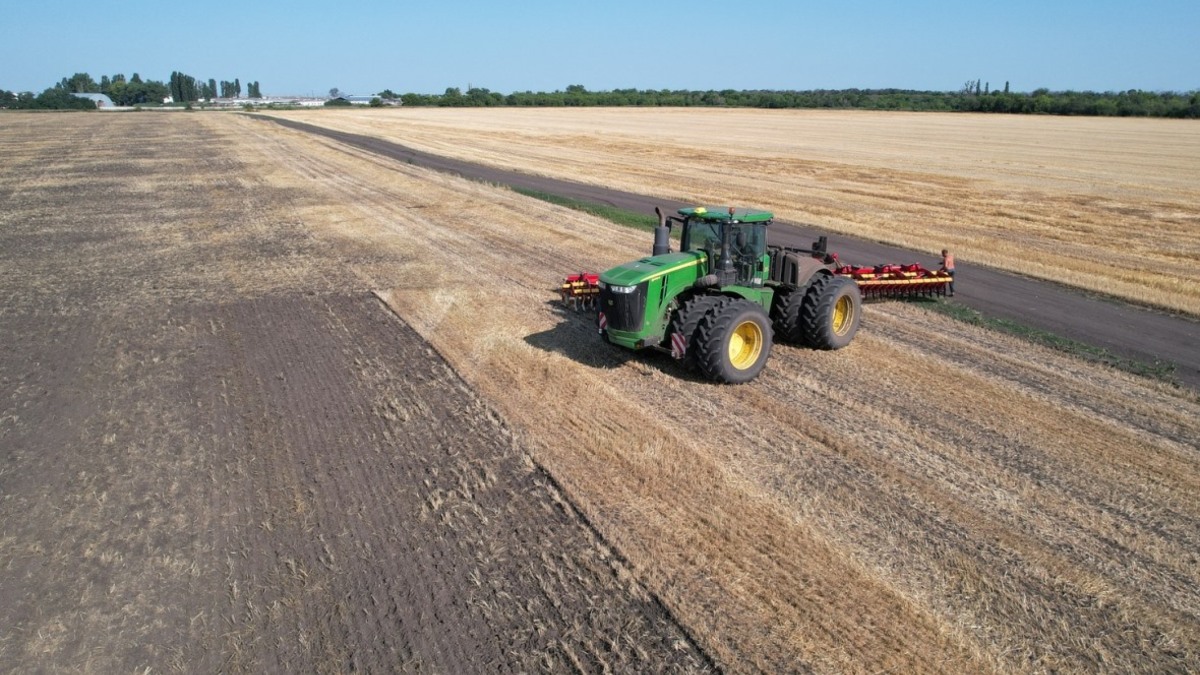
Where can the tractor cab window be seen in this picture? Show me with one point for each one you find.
(749, 240)
(749, 243)
(705, 236)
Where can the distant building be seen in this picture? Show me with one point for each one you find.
(365, 100)
(101, 100)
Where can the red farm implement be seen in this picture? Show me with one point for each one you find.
(581, 290)
(896, 281)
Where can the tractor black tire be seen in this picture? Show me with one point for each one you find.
(831, 312)
(686, 320)
(733, 342)
(785, 314)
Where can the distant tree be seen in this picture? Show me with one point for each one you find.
(253, 90)
(211, 91)
(479, 97)
(58, 98)
(118, 92)
(136, 92)
(183, 88)
(334, 92)
(237, 87)
(388, 94)
(376, 102)
(79, 83)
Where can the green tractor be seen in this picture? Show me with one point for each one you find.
(720, 301)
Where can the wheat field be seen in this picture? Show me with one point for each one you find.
(1104, 204)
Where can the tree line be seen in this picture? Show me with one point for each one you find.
(185, 88)
(971, 98)
(974, 96)
(180, 87)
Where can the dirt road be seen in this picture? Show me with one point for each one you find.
(1141, 334)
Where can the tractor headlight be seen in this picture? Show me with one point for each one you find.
(617, 289)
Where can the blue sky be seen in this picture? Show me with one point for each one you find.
(303, 46)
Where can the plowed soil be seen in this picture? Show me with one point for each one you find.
(220, 451)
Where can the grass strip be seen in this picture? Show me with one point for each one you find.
(1159, 370)
(641, 221)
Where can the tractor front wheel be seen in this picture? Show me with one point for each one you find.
(686, 320)
(733, 342)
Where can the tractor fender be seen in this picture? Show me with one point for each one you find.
(798, 269)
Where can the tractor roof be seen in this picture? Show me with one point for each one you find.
(718, 214)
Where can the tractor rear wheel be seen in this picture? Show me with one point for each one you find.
(686, 320)
(785, 314)
(831, 312)
(733, 342)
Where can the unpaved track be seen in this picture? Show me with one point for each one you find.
(1142, 334)
(220, 452)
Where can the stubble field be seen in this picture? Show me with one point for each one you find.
(221, 449)
(1105, 204)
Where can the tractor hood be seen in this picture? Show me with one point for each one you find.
(646, 269)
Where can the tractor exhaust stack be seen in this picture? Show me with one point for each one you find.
(662, 234)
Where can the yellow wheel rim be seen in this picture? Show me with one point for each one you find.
(745, 345)
(843, 314)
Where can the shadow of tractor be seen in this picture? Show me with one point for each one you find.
(577, 338)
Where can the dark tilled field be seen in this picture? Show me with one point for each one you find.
(202, 472)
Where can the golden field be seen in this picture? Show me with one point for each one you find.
(1105, 204)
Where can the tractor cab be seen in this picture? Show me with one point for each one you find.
(740, 234)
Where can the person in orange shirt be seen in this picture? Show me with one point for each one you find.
(948, 268)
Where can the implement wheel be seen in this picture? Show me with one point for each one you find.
(831, 312)
(733, 342)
